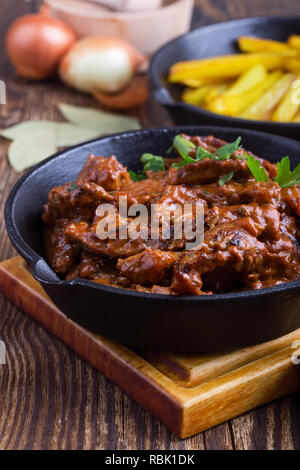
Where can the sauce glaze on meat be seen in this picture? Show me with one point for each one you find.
(251, 237)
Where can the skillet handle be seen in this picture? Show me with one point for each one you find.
(42, 272)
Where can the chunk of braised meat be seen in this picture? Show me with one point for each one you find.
(90, 266)
(232, 257)
(148, 267)
(207, 171)
(74, 202)
(141, 192)
(265, 215)
(289, 225)
(223, 247)
(106, 172)
(291, 198)
(180, 195)
(82, 235)
(155, 290)
(285, 199)
(61, 254)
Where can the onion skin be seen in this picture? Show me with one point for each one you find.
(103, 63)
(36, 43)
(134, 95)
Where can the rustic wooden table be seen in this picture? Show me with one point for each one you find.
(50, 398)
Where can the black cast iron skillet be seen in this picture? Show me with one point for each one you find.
(177, 323)
(210, 41)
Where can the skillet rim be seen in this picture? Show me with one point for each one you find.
(34, 258)
(165, 99)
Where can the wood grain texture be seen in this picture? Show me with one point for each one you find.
(189, 394)
(50, 398)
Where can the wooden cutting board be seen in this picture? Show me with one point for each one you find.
(189, 394)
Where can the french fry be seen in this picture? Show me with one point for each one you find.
(195, 96)
(294, 41)
(293, 65)
(200, 96)
(233, 105)
(266, 103)
(248, 80)
(297, 118)
(214, 92)
(192, 83)
(230, 66)
(289, 106)
(253, 44)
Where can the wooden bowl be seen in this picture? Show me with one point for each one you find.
(146, 30)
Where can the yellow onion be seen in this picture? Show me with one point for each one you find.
(100, 63)
(36, 43)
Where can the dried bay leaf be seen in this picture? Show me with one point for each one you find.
(14, 132)
(71, 134)
(107, 123)
(66, 133)
(31, 148)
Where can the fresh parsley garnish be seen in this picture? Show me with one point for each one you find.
(137, 176)
(225, 152)
(201, 153)
(257, 171)
(226, 178)
(152, 162)
(285, 177)
(184, 148)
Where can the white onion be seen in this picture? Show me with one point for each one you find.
(100, 63)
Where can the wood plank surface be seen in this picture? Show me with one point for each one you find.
(52, 399)
(189, 394)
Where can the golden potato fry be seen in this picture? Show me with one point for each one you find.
(253, 44)
(293, 65)
(214, 92)
(266, 103)
(289, 106)
(294, 41)
(200, 96)
(225, 67)
(192, 83)
(195, 96)
(233, 105)
(248, 80)
(297, 118)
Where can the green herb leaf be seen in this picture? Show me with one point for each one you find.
(225, 152)
(137, 176)
(152, 163)
(285, 177)
(226, 178)
(183, 146)
(202, 153)
(257, 171)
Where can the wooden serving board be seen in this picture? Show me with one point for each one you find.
(189, 394)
